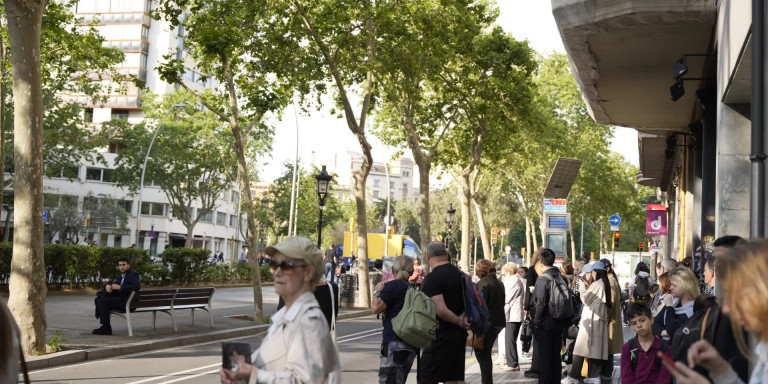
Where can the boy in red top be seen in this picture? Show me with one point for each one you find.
(639, 363)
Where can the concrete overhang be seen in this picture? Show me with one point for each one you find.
(652, 159)
(621, 54)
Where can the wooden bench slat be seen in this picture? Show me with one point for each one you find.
(168, 300)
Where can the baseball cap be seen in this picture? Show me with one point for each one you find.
(299, 248)
(606, 262)
(436, 248)
(587, 269)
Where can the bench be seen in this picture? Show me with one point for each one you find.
(167, 301)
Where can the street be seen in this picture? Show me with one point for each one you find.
(359, 341)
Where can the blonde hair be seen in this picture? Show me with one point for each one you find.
(743, 270)
(402, 267)
(684, 278)
(509, 269)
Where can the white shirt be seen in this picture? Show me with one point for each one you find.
(298, 347)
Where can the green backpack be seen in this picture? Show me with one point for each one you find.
(416, 324)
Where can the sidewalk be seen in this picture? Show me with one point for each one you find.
(72, 318)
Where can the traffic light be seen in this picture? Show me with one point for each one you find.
(642, 247)
(616, 238)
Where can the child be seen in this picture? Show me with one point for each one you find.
(639, 363)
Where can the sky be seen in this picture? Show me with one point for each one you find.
(321, 136)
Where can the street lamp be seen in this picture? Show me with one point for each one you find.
(144, 167)
(323, 180)
(449, 214)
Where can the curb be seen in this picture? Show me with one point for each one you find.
(79, 356)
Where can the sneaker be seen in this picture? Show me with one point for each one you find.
(510, 369)
(531, 374)
(103, 330)
(526, 355)
(500, 361)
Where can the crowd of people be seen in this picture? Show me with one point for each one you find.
(575, 313)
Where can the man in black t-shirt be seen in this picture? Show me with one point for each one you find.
(444, 359)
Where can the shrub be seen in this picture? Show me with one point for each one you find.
(266, 273)
(243, 272)
(6, 250)
(187, 264)
(217, 273)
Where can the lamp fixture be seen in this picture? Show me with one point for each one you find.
(680, 66)
(676, 91)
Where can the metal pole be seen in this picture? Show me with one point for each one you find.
(758, 156)
(320, 229)
(144, 168)
(295, 177)
(581, 247)
(386, 225)
(600, 246)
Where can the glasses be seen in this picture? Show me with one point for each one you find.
(286, 266)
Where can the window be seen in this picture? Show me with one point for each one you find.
(206, 218)
(143, 62)
(148, 6)
(232, 220)
(152, 209)
(235, 198)
(221, 218)
(118, 243)
(126, 204)
(51, 200)
(116, 147)
(144, 32)
(391, 184)
(375, 194)
(88, 115)
(67, 171)
(100, 174)
(120, 114)
(376, 183)
(406, 173)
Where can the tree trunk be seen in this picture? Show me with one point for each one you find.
(527, 254)
(573, 241)
(424, 162)
(466, 220)
(360, 176)
(2, 132)
(487, 246)
(27, 281)
(533, 236)
(188, 241)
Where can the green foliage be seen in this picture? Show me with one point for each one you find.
(54, 343)
(266, 273)
(186, 264)
(6, 251)
(243, 272)
(219, 273)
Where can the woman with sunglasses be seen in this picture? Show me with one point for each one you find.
(298, 347)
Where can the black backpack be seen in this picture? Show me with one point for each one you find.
(560, 304)
(700, 326)
(640, 292)
(633, 348)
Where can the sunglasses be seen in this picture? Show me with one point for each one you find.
(285, 265)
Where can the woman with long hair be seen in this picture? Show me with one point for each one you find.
(743, 272)
(9, 346)
(493, 293)
(592, 340)
(678, 305)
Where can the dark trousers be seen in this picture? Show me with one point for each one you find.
(608, 366)
(104, 304)
(484, 355)
(534, 352)
(510, 343)
(548, 354)
(593, 367)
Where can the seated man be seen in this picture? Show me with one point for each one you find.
(117, 294)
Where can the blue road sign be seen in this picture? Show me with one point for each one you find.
(45, 215)
(614, 219)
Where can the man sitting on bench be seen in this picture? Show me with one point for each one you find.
(115, 295)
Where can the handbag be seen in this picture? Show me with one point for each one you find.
(335, 376)
(475, 341)
(573, 331)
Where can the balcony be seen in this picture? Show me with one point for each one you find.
(115, 18)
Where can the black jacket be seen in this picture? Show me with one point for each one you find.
(130, 283)
(541, 318)
(493, 294)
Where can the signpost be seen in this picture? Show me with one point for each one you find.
(614, 221)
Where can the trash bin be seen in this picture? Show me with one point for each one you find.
(374, 278)
(347, 283)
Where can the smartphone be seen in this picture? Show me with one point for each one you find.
(666, 358)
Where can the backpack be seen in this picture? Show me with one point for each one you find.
(700, 326)
(474, 307)
(633, 347)
(640, 292)
(416, 323)
(560, 304)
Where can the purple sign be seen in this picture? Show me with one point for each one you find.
(655, 223)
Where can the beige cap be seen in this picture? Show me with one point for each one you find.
(300, 248)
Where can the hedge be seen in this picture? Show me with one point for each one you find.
(92, 266)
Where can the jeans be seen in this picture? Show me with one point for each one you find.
(395, 362)
(330, 274)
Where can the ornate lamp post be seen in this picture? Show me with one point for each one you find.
(449, 216)
(323, 181)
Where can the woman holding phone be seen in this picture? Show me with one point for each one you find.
(744, 273)
(298, 347)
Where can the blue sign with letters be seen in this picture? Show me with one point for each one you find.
(615, 219)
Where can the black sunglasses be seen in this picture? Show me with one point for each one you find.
(285, 265)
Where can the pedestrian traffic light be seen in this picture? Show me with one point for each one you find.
(642, 247)
(616, 238)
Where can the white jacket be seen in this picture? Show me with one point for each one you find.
(298, 347)
(514, 288)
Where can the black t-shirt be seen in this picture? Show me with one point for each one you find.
(393, 295)
(445, 280)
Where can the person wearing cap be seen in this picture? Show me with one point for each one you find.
(592, 340)
(298, 346)
(615, 325)
(444, 359)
